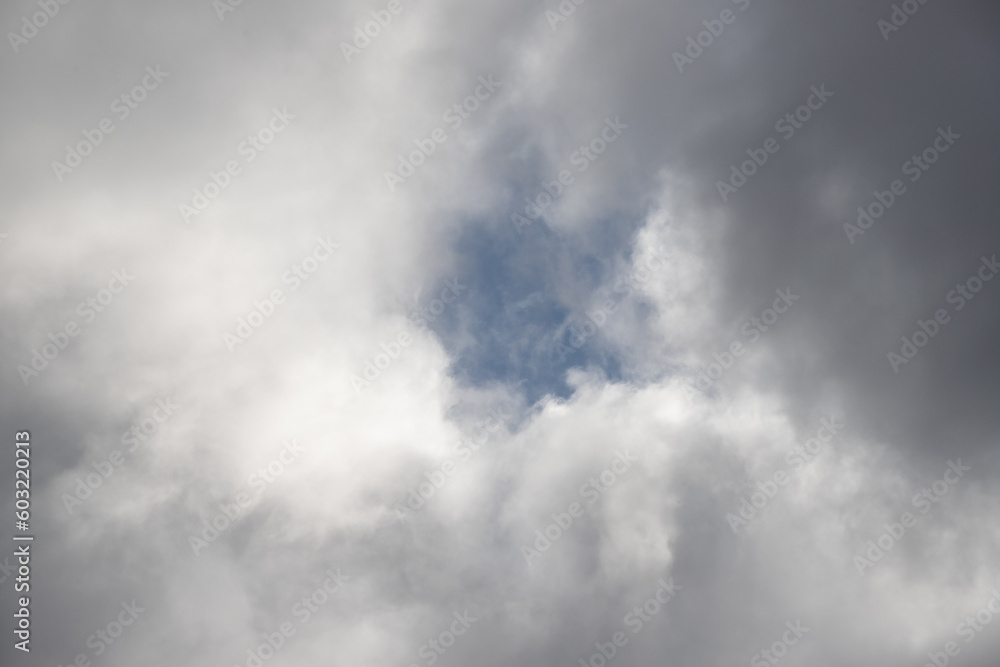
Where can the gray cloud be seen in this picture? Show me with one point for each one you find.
(652, 378)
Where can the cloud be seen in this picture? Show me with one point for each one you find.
(574, 403)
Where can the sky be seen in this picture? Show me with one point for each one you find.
(424, 332)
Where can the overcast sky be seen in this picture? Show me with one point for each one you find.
(414, 332)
